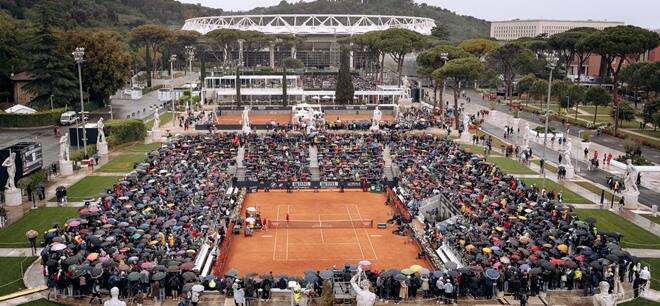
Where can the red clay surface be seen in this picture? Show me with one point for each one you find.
(292, 251)
(255, 118)
(329, 116)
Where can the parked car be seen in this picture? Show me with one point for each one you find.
(69, 118)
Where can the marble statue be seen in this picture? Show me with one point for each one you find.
(64, 147)
(114, 300)
(630, 180)
(245, 119)
(466, 121)
(156, 125)
(569, 146)
(567, 158)
(375, 120)
(526, 132)
(10, 164)
(101, 135)
(604, 298)
(364, 297)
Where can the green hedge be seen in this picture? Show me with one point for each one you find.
(80, 155)
(33, 179)
(125, 130)
(45, 118)
(147, 90)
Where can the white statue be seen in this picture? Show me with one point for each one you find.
(99, 126)
(245, 119)
(64, 147)
(364, 297)
(156, 125)
(604, 298)
(526, 132)
(466, 121)
(567, 158)
(10, 164)
(569, 146)
(375, 120)
(630, 180)
(114, 300)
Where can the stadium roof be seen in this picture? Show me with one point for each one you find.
(310, 24)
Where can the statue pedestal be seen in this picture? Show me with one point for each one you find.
(66, 167)
(102, 148)
(246, 130)
(155, 135)
(13, 197)
(570, 171)
(630, 199)
(147, 139)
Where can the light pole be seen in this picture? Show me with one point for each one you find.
(444, 56)
(577, 166)
(78, 57)
(551, 60)
(190, 53)
(172, 60)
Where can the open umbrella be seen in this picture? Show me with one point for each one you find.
(492, 274)
(407, 271)
(197, 288)
(31, 234)
(188, 276)
(424, 271)
(133, 276)
(232, 273)
(325, 274)
(158, 276)
(57, 247)
(451, 265)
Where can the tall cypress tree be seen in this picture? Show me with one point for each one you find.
(238, 85)
(285, 84)
(344, 91)
(147, 62)
(52, 70)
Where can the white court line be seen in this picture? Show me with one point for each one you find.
(355, 232)
(288, 209)
(322, 238)
(318, 243)
(366, 234)
(275, 244)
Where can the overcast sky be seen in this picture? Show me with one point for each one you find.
(642, 13)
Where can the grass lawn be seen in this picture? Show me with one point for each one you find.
(652, 218)
(633, 235)
(509, 165)
(89, 187)
(592, 109)
(41, 302)
(640, 302)
(595, 189)
(122, 163)
(11, 278)
(165, 118)
(144, 148)
(569, 196)
(497, 143)
(475, 149)
(40, 219)
(650, 133)
(654, 266)
(547, 166)
(632, 124)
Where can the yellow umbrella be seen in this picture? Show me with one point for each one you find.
(562, 248)
(415, 268)
(470, 247)
(499, 228)
(487, 250)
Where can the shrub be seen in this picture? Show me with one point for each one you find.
(80, 154)
(44, 118)
(586, 136)
(636, 160)
(147, 90)
(123, 131)
(541, 129)
(40, 176)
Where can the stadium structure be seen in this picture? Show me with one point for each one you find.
(320, 33)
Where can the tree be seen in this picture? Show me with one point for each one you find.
(107, 61)
(398, 43)
(153, 37)
(525, 84)
(441, 32)
(650, 108)
(597, 96)
(285, 85)
(566, 44)
(461, 71)
(344, 90)
(642, 76)
(510, 60)
(223, 39)
(617, 45)
(431, 59)
(624, 112)
(539, 89)
(478, 47)
(238, 85)
(293, 63)
(52, 69)
(576, 96)
(560, 90)
(372, 44)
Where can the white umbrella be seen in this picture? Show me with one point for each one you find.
(316, 97)
(57, 247)
(197, 288)
(249, 220)
(251, 209)
(326, 97)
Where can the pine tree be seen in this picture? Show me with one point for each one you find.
(344, 91)
(238, 85)
(52, 70)
(285, 84)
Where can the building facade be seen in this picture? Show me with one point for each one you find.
(515, 29)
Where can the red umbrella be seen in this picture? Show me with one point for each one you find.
(556, 261)
(147, 265)
(187, 266)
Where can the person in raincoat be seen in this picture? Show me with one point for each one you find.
(297, 294)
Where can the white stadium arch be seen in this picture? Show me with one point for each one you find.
(310, 24)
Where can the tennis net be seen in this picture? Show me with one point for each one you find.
(361, 223)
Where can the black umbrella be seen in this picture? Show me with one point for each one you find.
(232, 273)
(158, 276)
(188, 276)
(325, 274)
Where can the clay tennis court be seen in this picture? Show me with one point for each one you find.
(345, 117)
(255, 118)
(294, 250)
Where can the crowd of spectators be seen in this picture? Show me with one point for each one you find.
(277, 157)
(349, 157)
(143, 234)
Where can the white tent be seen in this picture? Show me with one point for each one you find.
(20, 109)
